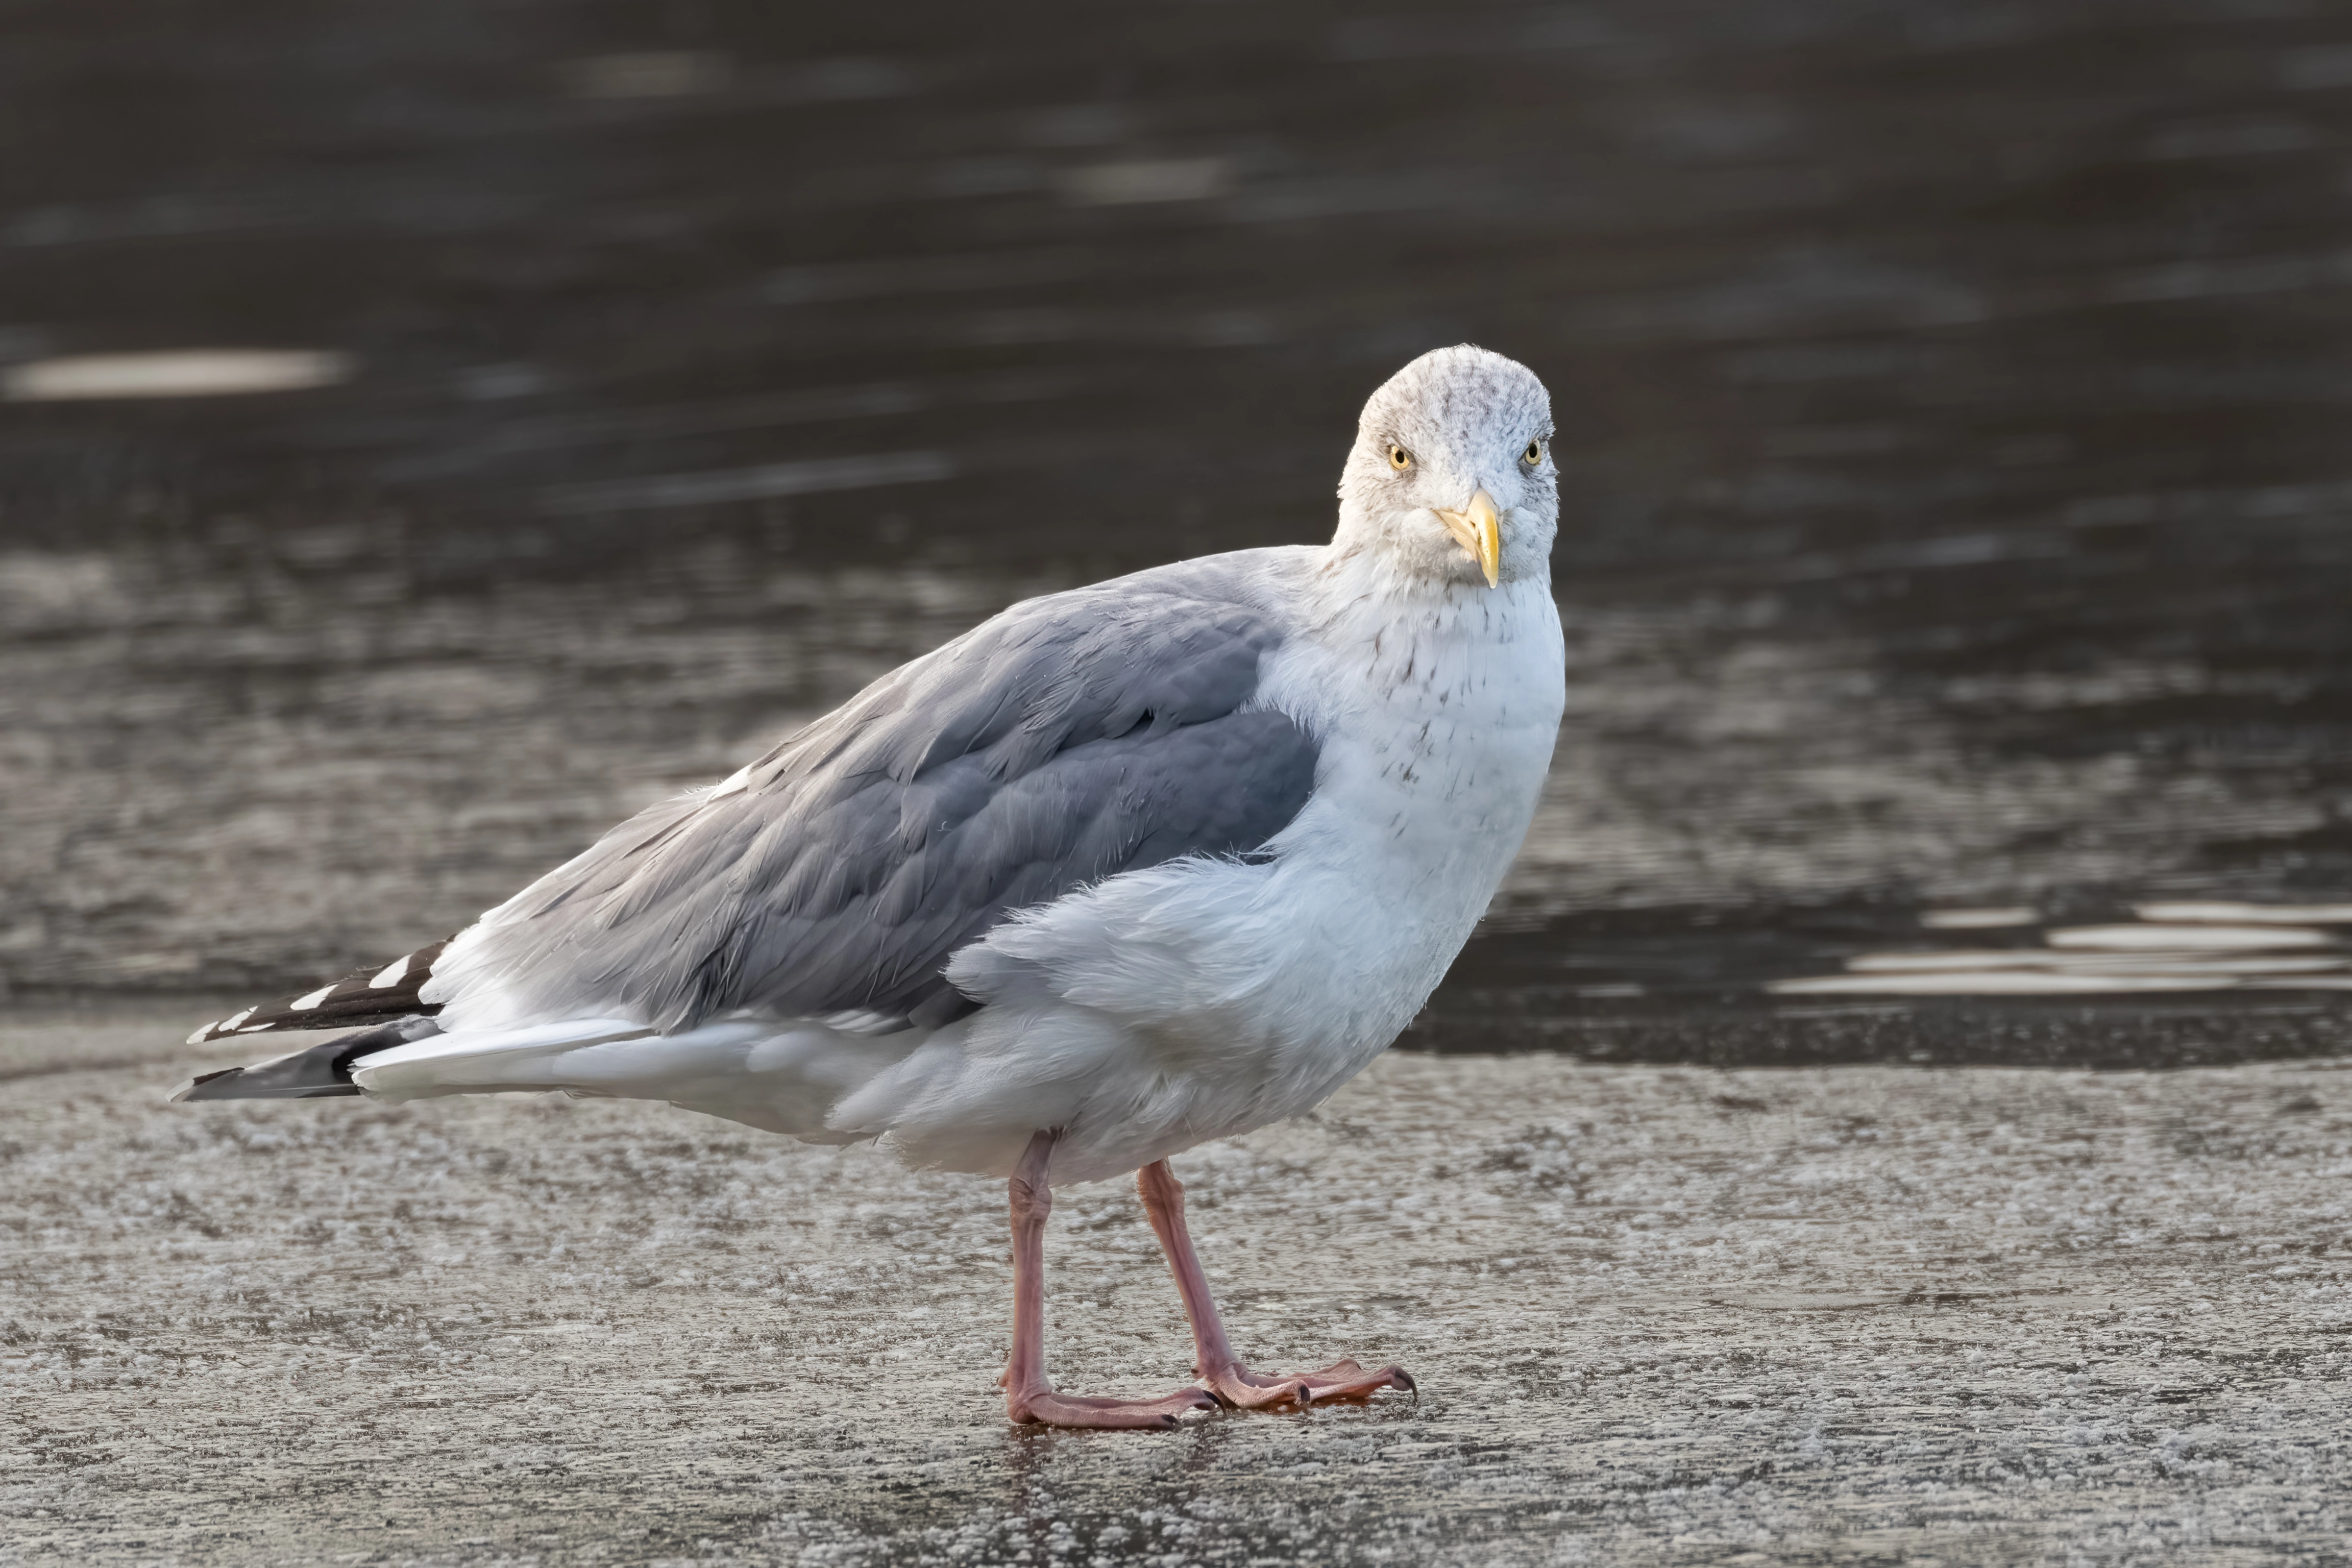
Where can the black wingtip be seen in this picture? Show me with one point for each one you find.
(194, 1088)
(251, 1083)
(321, 1072)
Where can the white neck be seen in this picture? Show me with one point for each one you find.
(1397, 630)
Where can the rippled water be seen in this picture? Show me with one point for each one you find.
(562, 400)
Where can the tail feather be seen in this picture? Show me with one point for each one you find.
(370, 996)
(316, 1072)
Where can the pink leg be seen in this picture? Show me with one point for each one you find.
(1222, 1371)
(1028, 1393)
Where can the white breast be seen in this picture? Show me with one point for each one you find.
(1438, 716)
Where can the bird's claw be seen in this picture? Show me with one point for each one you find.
(1046, 1408)
(1343, 1381)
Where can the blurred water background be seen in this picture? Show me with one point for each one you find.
(432, 431)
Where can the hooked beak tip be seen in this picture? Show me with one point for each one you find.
(1479, 529)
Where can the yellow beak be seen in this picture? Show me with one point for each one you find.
(1480, 532)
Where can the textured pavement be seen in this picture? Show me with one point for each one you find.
(1658, 1314)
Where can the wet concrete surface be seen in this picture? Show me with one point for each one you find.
(1956, 509)
(1951, 412)
(1658, 1314)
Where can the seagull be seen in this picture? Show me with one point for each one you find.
(1120, 871)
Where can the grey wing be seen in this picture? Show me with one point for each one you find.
(1070, 738)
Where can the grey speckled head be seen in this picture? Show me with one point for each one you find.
(1454, 424)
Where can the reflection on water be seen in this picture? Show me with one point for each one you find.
(183, 373)
(2175, 947)
(2174, 986)
(1951, 413)
(1980, 920)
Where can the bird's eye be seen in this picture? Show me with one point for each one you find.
(1399, 458)
(1534, 454)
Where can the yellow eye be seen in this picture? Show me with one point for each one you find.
(1399, 458)
(1534, 454)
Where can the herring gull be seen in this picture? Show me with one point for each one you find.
(1118, 871)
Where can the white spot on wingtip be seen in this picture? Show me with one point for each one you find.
(390, 975)
(253, 1028)
(228, 1026)
(304, 1003)
(198, 1037)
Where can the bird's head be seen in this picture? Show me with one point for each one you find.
(1451, 479)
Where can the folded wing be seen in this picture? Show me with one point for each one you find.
(1070, 738)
